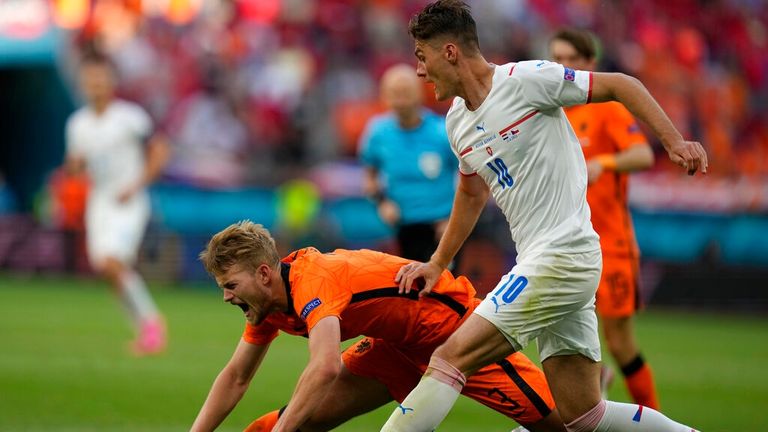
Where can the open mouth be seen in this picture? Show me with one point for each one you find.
(243, 306)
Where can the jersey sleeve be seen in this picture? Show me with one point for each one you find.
(369, 148)
(141, 123)
(320, 295)
(261, 334)
(547, 85)
(622, 127)
(464, 168)
(74, 144)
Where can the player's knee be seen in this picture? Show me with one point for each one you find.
(618, 335)
(111, 269)
(613, 342)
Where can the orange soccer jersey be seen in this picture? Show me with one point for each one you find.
(402, 330)
(608, 128)
(359, 288)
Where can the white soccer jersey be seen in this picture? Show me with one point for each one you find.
(112, 145)
(520, 142)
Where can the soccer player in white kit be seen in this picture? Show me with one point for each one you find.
(513, 141)
(107, 139)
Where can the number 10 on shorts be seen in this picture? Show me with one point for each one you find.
(510, 290)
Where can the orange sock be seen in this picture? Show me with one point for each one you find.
(264, 423)
(639, 380)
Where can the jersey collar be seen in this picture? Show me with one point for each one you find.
(285, 271)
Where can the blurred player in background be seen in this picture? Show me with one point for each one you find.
(613, 146)
(410, 169)
(338, 296)
(107, 139)
(513, 140)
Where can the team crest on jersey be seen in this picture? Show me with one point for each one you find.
(569, 74)
(489, 150)
(363, 346)
(309, 307)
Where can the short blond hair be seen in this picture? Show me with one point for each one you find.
(245, 243)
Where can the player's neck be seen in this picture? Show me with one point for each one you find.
(280, 293)
(476, 80)
(99, 106)
(411, 120)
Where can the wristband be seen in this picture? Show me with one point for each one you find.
(608, 161)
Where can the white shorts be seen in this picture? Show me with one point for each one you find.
(551, 300)
(115, 230)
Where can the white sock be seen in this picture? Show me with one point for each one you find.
(136, 297)
(610, 416)
(424, 407)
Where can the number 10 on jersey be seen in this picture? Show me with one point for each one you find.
(502, 174)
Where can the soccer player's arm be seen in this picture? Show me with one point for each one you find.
(158, 149)
(158, 155)
(635, 97)
(370, 157)
(368, 153)
(633, 153)
(469, 201)
(323, 368)
(230, 385)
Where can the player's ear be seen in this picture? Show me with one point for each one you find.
(264, 273)
(451, 52)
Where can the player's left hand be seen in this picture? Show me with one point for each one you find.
(408, 275)
(688, 154)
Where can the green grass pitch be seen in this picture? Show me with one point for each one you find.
(64, 365)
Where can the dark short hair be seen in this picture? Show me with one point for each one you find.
(445, 18)
(97, 58)
(583, 41)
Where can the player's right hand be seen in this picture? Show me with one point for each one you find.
(408, 275)
(389, 212)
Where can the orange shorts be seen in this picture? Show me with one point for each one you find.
(514, 386)
(617, 294)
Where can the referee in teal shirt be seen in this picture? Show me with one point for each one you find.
(410, 168)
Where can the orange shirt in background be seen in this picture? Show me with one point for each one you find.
(608, 128)
(359, 287)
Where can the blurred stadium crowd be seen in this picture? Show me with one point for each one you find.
(256, 93)
(293, 80)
